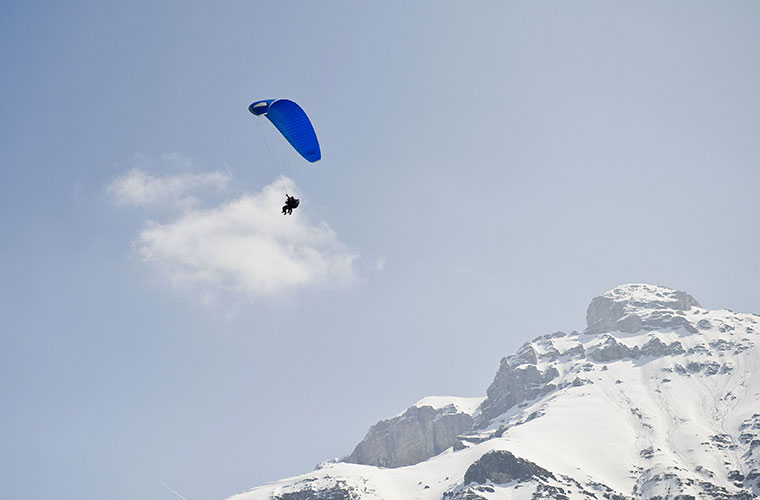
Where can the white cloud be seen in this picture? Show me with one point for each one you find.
(246, 246)
(138, 188)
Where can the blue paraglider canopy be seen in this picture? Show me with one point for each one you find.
(292, 123)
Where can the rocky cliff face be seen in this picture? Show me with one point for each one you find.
(419, 433)
(631, 308)
(658, 398)
(518, 380)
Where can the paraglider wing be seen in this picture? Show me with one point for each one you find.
(292, 123)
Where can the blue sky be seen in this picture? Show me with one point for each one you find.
(487, 169)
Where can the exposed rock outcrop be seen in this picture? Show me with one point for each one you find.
(502, 467)
(514, 383)
(631, 308)
(416, 435)
(333, 493)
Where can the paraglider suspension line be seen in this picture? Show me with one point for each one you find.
(266, 145)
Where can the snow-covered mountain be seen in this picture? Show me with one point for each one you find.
(658, 398)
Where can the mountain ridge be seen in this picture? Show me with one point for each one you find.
(656, 398)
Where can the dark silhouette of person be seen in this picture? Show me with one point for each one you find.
(290, 203)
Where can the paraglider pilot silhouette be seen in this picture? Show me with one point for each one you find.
(290, 203)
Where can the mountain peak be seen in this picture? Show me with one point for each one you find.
(652, 296)
(636, 306)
